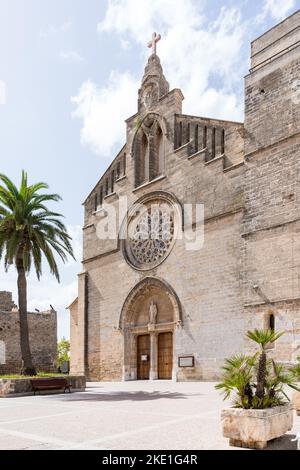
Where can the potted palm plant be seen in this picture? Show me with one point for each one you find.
(295, 370)
(261, 409)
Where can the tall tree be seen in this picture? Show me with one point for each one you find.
(29, 232)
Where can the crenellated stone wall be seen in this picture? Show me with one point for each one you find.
(42, 336)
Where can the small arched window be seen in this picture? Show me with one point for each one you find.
(272, 322)
(180, 134)
(196, 138)
(118, 170)
(223, 142)
(213, 142)
(141, 160)
(112, 181)
(145, 158)
(188, 133)
(157, 158)
(101, 196)
(124, 164)
(204, 137)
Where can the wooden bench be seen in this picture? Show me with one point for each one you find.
(49, 383)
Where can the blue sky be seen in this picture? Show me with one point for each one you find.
(69, 74)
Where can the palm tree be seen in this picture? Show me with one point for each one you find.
(29, 231)
(263, 338)
(257, 382)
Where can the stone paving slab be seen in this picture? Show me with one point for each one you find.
(128, 415)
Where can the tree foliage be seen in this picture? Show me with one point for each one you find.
(63, 351)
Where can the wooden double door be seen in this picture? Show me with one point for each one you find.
(164, 356)
(143, 357)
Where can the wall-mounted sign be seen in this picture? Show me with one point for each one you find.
(144, 357)
(186, 361)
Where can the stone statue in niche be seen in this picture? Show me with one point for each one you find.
(152, 313)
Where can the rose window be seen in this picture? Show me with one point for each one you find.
(150, 235)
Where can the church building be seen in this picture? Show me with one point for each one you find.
(153, 305)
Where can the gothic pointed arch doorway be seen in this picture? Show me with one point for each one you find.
(149, 318)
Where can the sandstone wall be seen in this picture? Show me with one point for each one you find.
(42, 336)
(248, 267)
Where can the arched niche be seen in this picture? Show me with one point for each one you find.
(136, 305)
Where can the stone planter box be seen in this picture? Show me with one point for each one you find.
(254, 428)
(296, 401)
(22, 387)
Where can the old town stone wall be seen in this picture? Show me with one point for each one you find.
(42, 336)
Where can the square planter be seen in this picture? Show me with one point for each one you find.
(254, 428)
(296, 401)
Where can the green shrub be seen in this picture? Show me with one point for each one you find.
(256, 381)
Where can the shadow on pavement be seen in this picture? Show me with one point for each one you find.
(121, 396)
(283, 443)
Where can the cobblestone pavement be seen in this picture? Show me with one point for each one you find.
(127, 415)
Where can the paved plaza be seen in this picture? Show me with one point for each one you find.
(127, 415)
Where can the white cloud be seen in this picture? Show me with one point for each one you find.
(66, 26)
(75, 231)
(125, 44)
(52, 30)
(71, 57)
(103, 111)
(277, 9)
(2, 92)
(202, 58)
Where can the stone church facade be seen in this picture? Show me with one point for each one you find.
(153, 309)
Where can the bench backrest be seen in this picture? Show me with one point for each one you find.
(59, 381)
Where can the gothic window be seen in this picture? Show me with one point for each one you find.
(180, 134)
(145, 158)
(101, 197)
(96, 202)
(118, 170)
(223, 142)
(188, 133)
(148, 152)
(106, 187)
(157, 153)
(213, 142)
(196, 138)
(112, 181)
(205, 137)
(124, 164)
(140, 151)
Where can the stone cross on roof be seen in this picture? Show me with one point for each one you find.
(153, 42)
